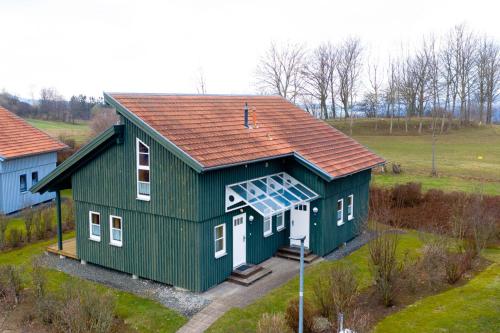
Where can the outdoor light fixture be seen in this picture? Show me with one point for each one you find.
(315, 210)
(250, 218)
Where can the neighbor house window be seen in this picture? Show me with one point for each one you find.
(220, 240)
(268, 230)
(340, 212)
(143, 183)
(95, 226)
(34, 178)
(116, 230)
(280, 221)
(23, 186)
(350, 207)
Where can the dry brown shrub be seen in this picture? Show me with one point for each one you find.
(344, 288)
(454, 267)
(273, 323)
(384, 264)
(322, 296)
(10, 284)
(292, 315)
(407, 195)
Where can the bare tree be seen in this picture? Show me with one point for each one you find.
(434, 88)
(102, 119)
(375, 83)
(279, 71)
(317, 76)
(201, 87)
(391, 91)
(408, 88)
(492, 78)
(333, 57)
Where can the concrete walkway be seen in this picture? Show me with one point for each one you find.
(228, 295)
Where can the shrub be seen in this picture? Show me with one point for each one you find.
(3, 228)
(407, 195)
(344, 288)
(47, 215)
(384, 266)
(14, 237)
(40, 227)
(10, 283)
(273, 323)
(453, 267)
(322, 296)
(69, 215)
(292, 315)
(38, 278)
(29, 216)
(432, 261)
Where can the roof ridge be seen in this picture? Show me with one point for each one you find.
(188, 94)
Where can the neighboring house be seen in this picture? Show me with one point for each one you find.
(26, 156)
(189, 188)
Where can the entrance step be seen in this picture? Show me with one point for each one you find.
(294, 250)
(292, 254)
(246, 270)
(256, 275)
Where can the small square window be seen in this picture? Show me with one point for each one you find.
(268, 226)
(116, 230)
(340, 212)
(95, 226)
(280, 221)
(23, 185)
(220, 240)
(34, 178)
(350, 207)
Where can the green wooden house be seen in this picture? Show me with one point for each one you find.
(188, 188)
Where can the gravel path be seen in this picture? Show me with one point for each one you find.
(185, 302)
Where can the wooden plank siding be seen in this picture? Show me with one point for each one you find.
(171, 238)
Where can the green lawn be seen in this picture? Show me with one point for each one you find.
(139, 313)
(474, 307)
(245, 320)
(467, 159)
(79, 131)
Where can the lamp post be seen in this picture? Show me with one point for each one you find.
(301, 283)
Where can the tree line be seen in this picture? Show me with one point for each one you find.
(52, 106)
(451, 77)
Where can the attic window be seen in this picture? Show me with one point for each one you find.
(143, 181)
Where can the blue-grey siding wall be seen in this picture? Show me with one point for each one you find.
(11, 197)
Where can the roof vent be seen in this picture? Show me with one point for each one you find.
(246, 114)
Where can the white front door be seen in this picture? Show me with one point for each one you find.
(299, 223)
(239, 240)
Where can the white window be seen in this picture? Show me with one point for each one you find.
(280, 221)
(350, 207)
(143, 182)
(115, 230)
(268, 226)
(220, 240)
(95, 226)
(340, 212)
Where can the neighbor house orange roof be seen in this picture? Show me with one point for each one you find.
(18, 138)
(210, 129)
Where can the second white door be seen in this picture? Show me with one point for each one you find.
(239, 240)
(299, 223)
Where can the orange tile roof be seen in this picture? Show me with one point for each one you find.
(18, 138)
(210, 129)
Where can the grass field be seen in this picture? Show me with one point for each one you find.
(142, 315)
(468, 159)
(79, 131)
(474, 307)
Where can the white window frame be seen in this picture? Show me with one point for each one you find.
(350, 216)
(25, 183)
(341, 221)
(269, 232)
(280, 217)
(92, 236)
(111, 240)
(37, 178)
(221, 252)
(142, 167)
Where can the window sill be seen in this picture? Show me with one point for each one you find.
(280, 229)
(268, 234)
(116, 244)
(95, 239)
(220, 255)
(350, 218)
(143, 198)
(340, 223)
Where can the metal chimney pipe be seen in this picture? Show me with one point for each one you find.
(246, 114)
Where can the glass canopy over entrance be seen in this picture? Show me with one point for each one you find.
(269, 195)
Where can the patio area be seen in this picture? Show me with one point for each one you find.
(69, 249)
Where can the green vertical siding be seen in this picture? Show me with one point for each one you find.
(171, 238)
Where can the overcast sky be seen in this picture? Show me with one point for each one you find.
(93, 46)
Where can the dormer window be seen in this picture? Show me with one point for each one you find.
(143, 181)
